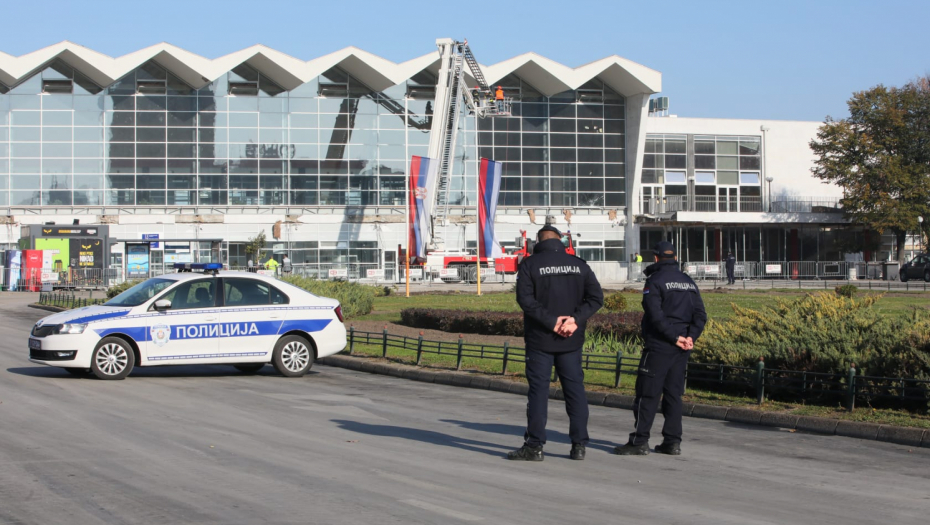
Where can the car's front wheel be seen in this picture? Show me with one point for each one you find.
(293, 356)
(903, 276)
(112, 359)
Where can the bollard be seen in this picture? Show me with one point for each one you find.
(351, 339)
(506, 357)
(760, 380)
(617, 369)
(458, 358)
(384, 336)
(419, 348)
(851, 388)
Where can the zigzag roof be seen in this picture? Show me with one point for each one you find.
(550, 77)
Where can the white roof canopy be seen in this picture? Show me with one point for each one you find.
(550, 77)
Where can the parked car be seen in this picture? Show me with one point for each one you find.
(242, 319)
(916, 268)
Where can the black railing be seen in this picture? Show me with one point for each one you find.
(759, 382)
(67, 300)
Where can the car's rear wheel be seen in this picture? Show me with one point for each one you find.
(249, 368)
(293, 356)
(927, 276)
(112, 359)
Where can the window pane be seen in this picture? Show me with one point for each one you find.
(704, 177)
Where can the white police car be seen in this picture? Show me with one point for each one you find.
(242, 319)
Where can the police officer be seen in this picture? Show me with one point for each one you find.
(558, 292)
(731, 267)
(673, 319)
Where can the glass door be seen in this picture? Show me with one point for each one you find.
(652, 198)
(727, 199)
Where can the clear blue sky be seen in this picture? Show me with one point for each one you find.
(775, 59)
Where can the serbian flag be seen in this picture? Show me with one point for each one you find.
(422, 172)
(489, 187)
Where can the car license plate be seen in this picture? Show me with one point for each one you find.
(35, 344)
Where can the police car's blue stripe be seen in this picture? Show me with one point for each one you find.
(137, 333)
(221, 330)
(306, 325)
(100, 317)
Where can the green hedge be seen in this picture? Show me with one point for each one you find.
(117, 289)
(619, 326)
(822, 332)
(356, 299)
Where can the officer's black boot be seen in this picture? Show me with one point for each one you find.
(577, 452)
(526, 453)
(672, 449)
(632, 450)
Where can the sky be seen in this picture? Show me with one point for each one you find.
(774, 59)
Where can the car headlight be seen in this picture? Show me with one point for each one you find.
(71, 328)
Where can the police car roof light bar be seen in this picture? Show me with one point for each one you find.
(205, 267)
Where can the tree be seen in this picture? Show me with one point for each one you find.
(255, 246)
(880, 156)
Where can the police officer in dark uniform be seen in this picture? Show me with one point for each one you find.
(731, 268)
(673, 319)
(558, 292)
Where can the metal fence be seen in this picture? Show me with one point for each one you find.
(39, 280)
(66, 299)
(756, 382)
(806, 205)
(766, 270)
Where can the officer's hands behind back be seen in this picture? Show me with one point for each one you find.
(685, 343)
(565, 326)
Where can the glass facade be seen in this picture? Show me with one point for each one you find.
(702, 173)
(149, 139)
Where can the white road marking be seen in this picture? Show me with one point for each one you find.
(440, 510)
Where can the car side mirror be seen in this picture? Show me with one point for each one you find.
(162, 304)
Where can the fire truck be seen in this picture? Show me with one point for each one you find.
(453, 96)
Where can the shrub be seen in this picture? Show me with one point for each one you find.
(615, 302)
(620, 326)
(356, 299)
(846, 290)
(821, 332)
(117, 289)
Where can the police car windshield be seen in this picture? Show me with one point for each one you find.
(140, 293)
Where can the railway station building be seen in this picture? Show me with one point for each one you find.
(165, 144)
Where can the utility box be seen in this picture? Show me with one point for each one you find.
(890, 271)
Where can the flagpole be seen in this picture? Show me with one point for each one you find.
(407, 252)
(478, 224)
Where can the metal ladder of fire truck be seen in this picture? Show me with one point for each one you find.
(451, 92)
(448, 119)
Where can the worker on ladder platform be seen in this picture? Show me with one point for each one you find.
(499, 97)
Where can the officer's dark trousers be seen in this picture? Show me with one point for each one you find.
(538, 371)
(661, 374)
(730, 278)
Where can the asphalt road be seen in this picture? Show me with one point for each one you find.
(207, 445)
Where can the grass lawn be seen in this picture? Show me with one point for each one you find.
(719, 304)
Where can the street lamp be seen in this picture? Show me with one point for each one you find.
(920, 231)
(769, 180)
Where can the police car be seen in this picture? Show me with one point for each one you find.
(196, 316)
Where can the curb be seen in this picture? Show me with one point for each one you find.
(914, 437)
(55, 309)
